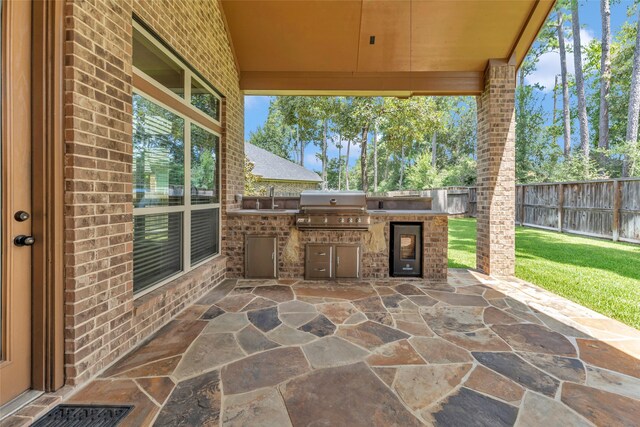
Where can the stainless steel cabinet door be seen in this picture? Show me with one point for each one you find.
(347, 261)
(261, 257)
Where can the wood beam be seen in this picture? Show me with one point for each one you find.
(401, 84)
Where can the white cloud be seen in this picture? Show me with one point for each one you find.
(548, 65)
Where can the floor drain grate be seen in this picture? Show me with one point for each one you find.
(83, 415)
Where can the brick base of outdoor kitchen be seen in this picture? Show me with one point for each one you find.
(374, 243)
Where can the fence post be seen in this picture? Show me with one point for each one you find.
(560, 206)
(522, 187)
(615, 224)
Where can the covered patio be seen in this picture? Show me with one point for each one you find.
(138, 295)
(469, 351)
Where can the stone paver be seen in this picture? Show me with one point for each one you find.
(515, 368)
(263, 370)
(473, 351)
(208, 352)
(333, 351)
(540, 410)
(421, 386)
(363, 400)
(261, 407)
(468, 407)
(195, 402)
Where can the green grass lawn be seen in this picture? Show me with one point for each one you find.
(599, 274)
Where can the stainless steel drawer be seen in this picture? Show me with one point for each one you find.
(319, 253)
(318, 270)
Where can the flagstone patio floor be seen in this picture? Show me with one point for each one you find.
(473, 351)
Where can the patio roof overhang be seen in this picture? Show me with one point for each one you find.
(421, 47)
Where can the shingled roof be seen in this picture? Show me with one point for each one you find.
(269, 167)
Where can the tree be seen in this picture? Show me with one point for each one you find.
(297, 112)
(577, 61)
(566, 109)
(605, 75)
(634, 105)
(275, 135)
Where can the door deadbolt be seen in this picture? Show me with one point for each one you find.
(23, 240)
(21, 216)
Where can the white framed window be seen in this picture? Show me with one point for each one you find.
(176, 166)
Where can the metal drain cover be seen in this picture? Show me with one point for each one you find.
(83, 415)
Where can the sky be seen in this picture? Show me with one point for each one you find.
(257, 107)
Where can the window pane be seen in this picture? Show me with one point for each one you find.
(204, 166)
(158, 155)
(407, 246)
(204, 234)
(204, 100)
(157, 248)
(150, 59)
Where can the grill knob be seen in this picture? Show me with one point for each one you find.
(358, 220)
(325, 220)
(350, 220)
(340, 220)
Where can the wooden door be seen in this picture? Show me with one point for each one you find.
(347, 261)
(15, 308)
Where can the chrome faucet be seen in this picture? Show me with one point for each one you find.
(272, 194)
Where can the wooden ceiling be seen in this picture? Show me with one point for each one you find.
(421, 46)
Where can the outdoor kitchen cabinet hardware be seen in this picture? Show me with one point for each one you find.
(261, 257)
(332, 261)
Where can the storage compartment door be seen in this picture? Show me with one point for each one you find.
(347, 262)
(261, 257)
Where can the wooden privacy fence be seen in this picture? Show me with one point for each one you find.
(604, 208)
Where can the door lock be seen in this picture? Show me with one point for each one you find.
(23, 240)
(21, 216)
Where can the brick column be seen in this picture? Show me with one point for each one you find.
(496, 170)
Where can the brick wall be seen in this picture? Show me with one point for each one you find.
(496, 171)
(374, 262)
(102, 319)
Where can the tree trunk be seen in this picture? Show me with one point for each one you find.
(555, 105)
(324, 155)
(300, 145)
(400, 182)
(363, 159)
(375, 158)
(605, 76)
(346, 166)
(339, 162)
(566, 112)
(634, 104)
(434, 146)
(577, 61)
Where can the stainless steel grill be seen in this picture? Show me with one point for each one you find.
(333, 210)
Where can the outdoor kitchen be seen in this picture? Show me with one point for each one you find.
(331, 235)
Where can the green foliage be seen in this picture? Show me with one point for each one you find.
(250, 188)
(422, 175)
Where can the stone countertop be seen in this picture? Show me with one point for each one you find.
(374, 212)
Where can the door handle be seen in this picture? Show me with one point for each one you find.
(23, 240)
(21, 216)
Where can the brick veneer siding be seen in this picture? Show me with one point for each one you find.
(374, 264)
(102, 319)
(496, 171)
